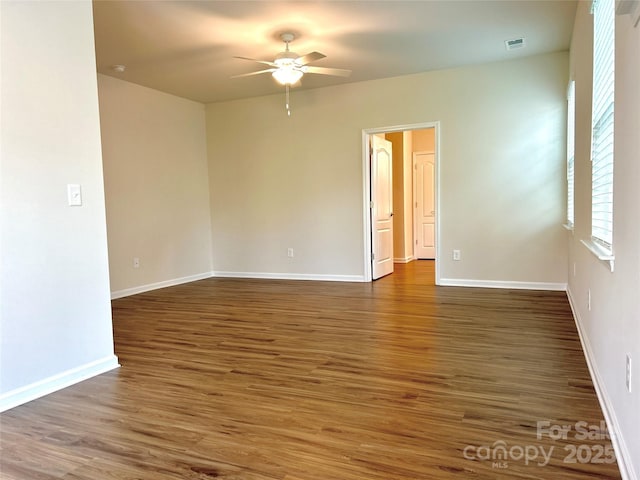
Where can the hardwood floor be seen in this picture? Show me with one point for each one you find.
(265, 380)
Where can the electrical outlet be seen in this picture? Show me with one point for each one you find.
(628, 374)
(589, 299)
(290, 252)
(456, 255)
(574, 269)
(136, 262)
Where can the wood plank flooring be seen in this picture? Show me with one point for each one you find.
(283, 380)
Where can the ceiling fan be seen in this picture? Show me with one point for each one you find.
(289, 67)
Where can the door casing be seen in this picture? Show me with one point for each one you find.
(366, 188)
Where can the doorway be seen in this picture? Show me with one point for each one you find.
(415, 194)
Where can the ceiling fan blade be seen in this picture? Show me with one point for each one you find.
(265, 62)
(338, 72)
(309, 57)
(268, 70)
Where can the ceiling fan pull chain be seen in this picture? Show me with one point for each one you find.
(287, 100)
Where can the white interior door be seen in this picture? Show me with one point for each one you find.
(425, 205)
(381, 207)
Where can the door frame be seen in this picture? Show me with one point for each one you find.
(366, 189)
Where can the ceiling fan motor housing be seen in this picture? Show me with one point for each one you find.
(286, 58)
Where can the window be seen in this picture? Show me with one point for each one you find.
(571, 131)
(602, 124)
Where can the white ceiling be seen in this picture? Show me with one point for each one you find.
(187, 47)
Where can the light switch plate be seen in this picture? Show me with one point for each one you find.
(74, 195)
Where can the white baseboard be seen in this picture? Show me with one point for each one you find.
(463, 282)
(622, 452)
(408, 259)
(292, 276)
(38, 389)
(154, 286)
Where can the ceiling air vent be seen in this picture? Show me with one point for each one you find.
(515, 43)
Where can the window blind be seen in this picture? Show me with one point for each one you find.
(602, 122)
(571, 129)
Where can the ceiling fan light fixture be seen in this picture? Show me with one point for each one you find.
(288, 67)
(287, 75)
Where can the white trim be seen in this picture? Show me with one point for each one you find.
(463, 282)
(291, 276)
(366, 188)
(620, 447)
(366, 206)
(438, 207)
(154, 286)
(414, 202)
(600, 252)
(408, 259)
(65, 379)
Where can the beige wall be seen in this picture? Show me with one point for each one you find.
(424, 140)
(611, 328)
(397, 143)
(279, 181)
(157, 188)
(402, 195)
(55, 313)
(407, 137)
